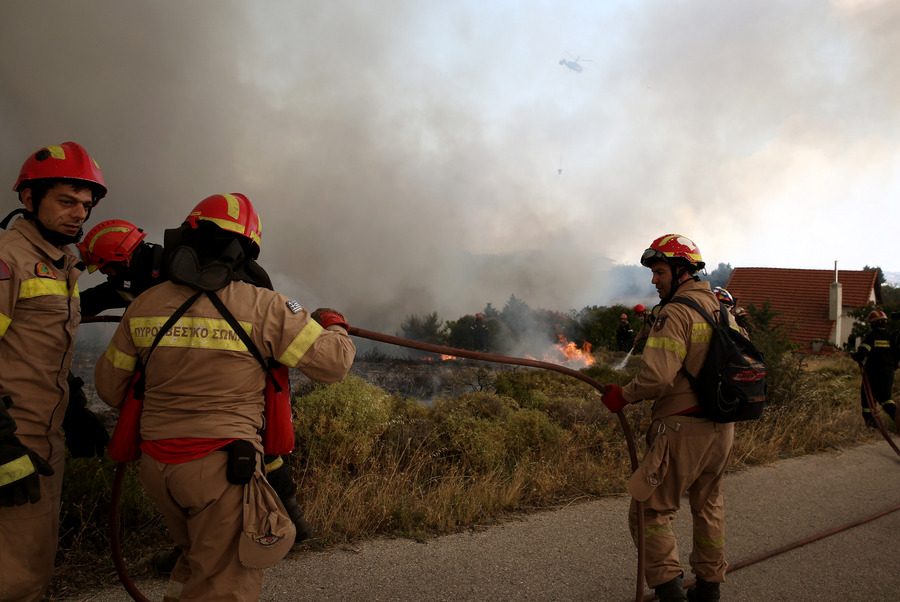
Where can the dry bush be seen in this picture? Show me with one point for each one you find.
(812, 405)
(370, 463)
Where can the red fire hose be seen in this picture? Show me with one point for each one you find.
(870, 401)
(114, 542)
(439, 349)
(502, 359)
(375, 336)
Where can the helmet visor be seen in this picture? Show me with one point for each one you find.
(651, 256)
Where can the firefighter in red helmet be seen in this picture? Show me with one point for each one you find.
(624, 334)
(132, 265)
(647, 318)
(39, 315)
(118, 249)
(479, 333)
(203, 406)
(879, 360)
(688, 452)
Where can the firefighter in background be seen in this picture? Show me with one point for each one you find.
(725, 297)
(687, 452)
(39, 316)
(879, 360)
(204, 395)
(647, 319)
(624, 334)
(742, 319)
(479, 333)
(728, 301)
(132, 265)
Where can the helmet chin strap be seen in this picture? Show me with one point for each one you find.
(57, 239)
(677, 275)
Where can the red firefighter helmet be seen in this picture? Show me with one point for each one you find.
(232, 212)
(639, 309)
(109, 241)
(623, 317)
(674, 249)
(876, 316)
(478, 315)
(68, 160)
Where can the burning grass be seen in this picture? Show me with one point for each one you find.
(372, 462)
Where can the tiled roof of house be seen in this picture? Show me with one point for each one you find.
(800, 297)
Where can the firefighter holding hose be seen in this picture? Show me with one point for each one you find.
(204, 396)
(39, 316)
(132, 265)
(878, 359)
(687, 452)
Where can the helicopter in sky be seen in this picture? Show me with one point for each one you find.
(573, 65)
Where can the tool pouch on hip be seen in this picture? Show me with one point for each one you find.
(652, 470)
(241, 462)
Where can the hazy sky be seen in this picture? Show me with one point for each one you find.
(404, 155)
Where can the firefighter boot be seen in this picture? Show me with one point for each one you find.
(304, 529)
(670, 591)
(163, 562)
(703, 591)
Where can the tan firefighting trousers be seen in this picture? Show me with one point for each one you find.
(204, 514)
(29, 534)
(685, 454)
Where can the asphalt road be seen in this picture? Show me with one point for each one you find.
(584, 551)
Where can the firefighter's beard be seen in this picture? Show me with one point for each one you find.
(57, 239)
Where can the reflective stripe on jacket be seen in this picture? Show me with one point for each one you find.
(679, 338)
(39, 317)
(201, 381)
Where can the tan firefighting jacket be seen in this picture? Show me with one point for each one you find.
(201, 381)
(679, 338)
(39, 317)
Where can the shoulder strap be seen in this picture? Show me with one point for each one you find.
(139, 386)
(242, 334)
(171, 322)
(695, 306)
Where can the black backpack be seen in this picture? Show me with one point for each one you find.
(731, 385)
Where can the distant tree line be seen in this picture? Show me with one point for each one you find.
(516, 325)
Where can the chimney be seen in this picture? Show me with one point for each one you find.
(835, 306)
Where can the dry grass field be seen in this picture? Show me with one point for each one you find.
(416, 448)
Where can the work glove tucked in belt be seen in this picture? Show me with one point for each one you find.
(20, 467)
(85, 434)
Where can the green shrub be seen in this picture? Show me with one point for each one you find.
(339, 423)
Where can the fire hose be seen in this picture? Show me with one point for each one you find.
(870, 401)
(115, 543)
(439, 349)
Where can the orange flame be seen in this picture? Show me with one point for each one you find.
(572, 353)
(567, 352)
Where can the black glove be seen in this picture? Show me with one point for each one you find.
(19, 470)
(85, 434)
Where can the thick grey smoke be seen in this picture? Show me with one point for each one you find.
(404, 155)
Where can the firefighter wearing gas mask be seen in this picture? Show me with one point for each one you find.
(203, 403)
(118, 249)
(39, 315)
